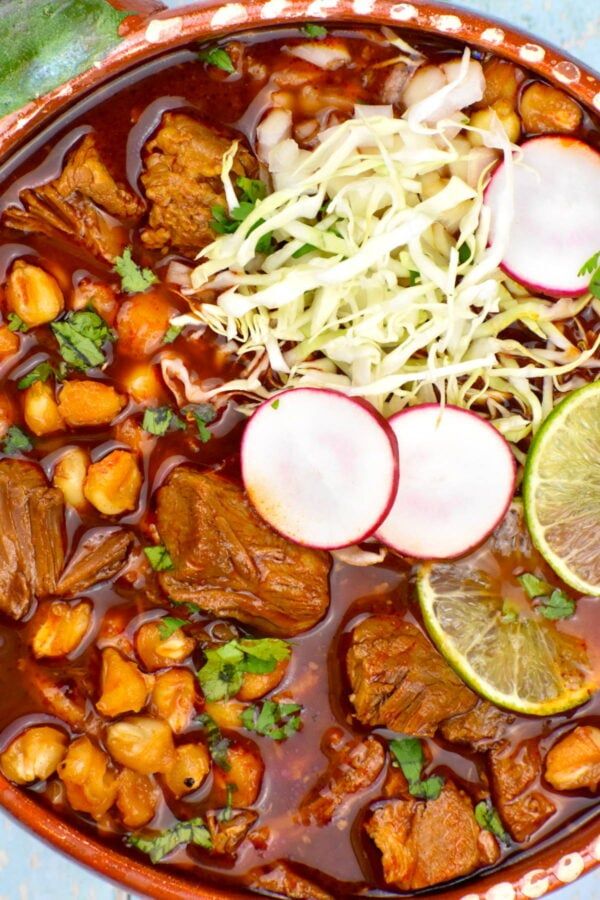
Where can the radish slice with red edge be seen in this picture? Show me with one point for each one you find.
(320, 467)
(556, 224)
(458, 479)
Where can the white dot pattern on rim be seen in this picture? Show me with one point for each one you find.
(404, 12)
(162, 29)
(229, 14)
(502, 891)
(535, 884)
(532, 53)
(447, 23)
(569, 867)
(273, 8)
(493, 35)
(567, 72)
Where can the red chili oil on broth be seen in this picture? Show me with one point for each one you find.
(338, 857)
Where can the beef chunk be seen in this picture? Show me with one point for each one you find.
(280, 879)
(515, 774)
(573, 762)
(481, 727)
(182, 179)
(67, 700)
(101, 554)
(31, 538)
(228, 834)
(228, 562)
(74, 204)
(399, 679)
(353, 767)
(429, 842)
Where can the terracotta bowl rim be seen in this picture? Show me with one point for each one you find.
(539, 871)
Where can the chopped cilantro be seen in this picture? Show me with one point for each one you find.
(414, 278)
(158, 420)
(159, 558)
(168, 626)
(16, 323)
(192, 832)
(274, 720)
(488, 819)
(81, 337)
(218, 745)
(41, 372)
(252, 191)
(222, 674)
(225, 814)
(509, 613)
(464, 253)
(553, 603)
(314, 31)
(408, 755)
(16, 441)
(202, 414)
(303, 250)
(557, 606)
(134, 279)
(275, 404)
(216, 56)
(592, 267)
(172, 333)
(534, 586)
(430, 789)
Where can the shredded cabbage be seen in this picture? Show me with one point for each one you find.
(382, 283)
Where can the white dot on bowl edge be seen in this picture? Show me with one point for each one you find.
(162, 29)
(594, 849)
(535, 884)
(569, 867)
(273, 8)
(532, 53)
(596, 101)
(493, 35)
(567, 72)
(447, 23)
(363, 7)
(470, 897)
(318, 8)
(502, 891)
(227, 15)
(404, 12)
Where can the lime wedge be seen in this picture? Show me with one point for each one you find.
(480, 619)
(561, 490)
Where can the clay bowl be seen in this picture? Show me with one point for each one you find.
(145, 36)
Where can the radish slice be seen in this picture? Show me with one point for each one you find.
(320, 467)
(556, 225)
(458, 479)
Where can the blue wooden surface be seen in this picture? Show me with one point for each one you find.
(31, 871)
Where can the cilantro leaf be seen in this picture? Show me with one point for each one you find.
(172, 333)
(252, 192)
(274, 720)
(202, 414)
(81, 337)
(509, 613)
(220, 222)
(16, 441)
(222, 674)
(157, 420)
(134, 279)
(45, 44)
(592, 267)
(553, 603)
(557, 606)
(413, 278)
(41, 372)
(225, 814)
(159, 558)
(169, 625)
(408, 755)
(430, 789)
(252, 189)
(314, 31)
(464, 253)
(16, 323)
(488, 819)
(534, 586)
(218, 745)
(192, 832)
(216, 56)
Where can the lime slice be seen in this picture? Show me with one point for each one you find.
(480, 619)
(562, 490)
